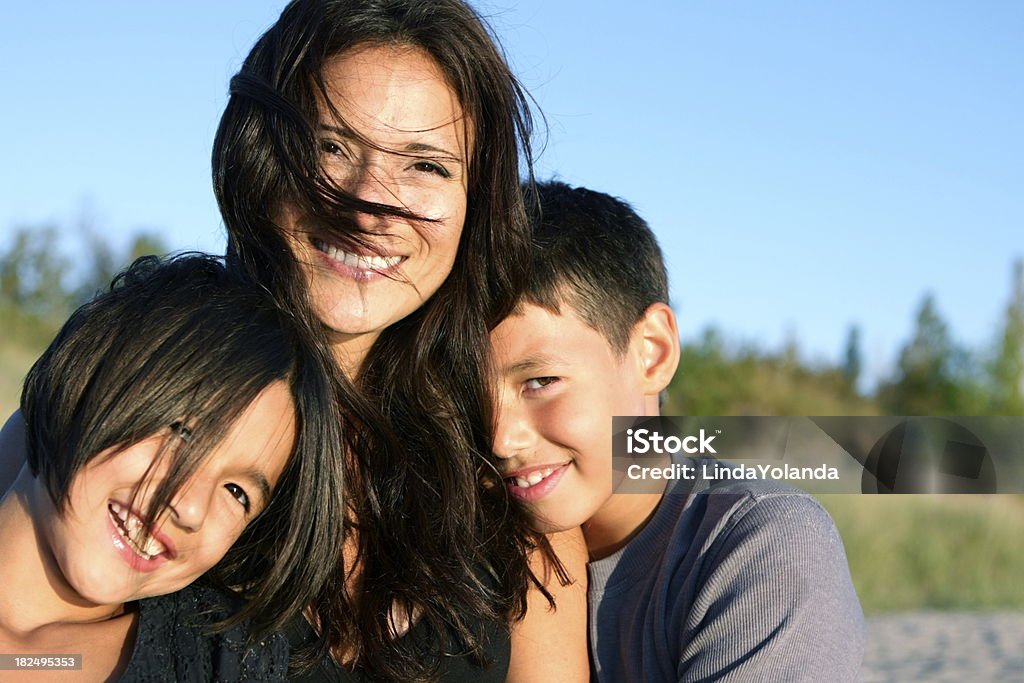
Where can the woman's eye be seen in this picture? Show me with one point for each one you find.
(537, 383)
(431, 167)
(333, 148)
(239, 494)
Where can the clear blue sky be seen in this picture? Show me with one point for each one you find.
(806, 165)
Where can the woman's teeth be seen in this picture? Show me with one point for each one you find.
(359, 261)
(133, 531)
(533, 478)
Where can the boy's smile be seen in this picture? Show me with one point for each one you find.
(532, 483)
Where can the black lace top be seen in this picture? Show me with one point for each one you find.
(455, 668)
(173, 643)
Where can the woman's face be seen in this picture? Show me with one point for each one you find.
(109, 553)
(404, 142)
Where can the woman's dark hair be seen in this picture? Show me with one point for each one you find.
(186, 344)
(436, 532)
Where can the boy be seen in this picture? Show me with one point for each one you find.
(748, 584)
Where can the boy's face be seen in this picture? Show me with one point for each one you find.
(106, 550)
(560, 383)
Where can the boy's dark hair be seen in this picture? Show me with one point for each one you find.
(186, 343)
(593, 253)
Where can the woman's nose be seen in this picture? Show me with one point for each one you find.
(373, 184)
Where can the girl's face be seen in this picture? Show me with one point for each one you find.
(406, 145)
(109, 553)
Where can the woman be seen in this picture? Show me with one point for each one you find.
(367, 168)
(172, 416)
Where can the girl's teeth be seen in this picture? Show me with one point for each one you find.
(121, 512)
(133, 530)
(153, 547)
(535, 478)
(522, 483)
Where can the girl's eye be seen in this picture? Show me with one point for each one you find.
(239, 494)
(537, 383)
(431, 167)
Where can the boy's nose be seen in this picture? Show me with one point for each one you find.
(513, 434)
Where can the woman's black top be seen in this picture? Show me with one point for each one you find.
(455, 668)
(173, 643)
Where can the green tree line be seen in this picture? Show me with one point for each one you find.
(933, 374)
(40, 284)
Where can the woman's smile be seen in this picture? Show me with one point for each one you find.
(359, 266)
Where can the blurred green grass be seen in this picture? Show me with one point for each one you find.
(953, 552)
(14, 363)
(23, 339)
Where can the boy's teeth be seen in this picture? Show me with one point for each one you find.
(534, 478)
(360, 261)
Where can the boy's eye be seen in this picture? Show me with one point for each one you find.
(239, 494)
(536, 383)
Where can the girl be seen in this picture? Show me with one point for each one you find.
(178, 423)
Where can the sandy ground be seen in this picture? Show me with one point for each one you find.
(945, 646)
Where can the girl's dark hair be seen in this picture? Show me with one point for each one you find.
(185, 343)
(436, 533)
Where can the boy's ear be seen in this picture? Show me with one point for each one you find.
(657, 342)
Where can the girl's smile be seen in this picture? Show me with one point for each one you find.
(142, 547)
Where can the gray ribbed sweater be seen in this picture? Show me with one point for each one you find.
(736, 581)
